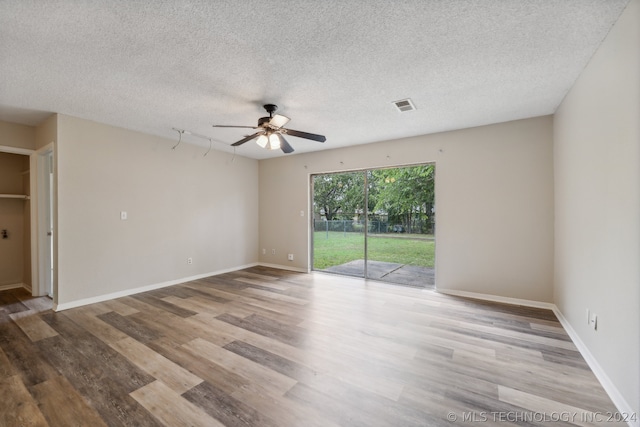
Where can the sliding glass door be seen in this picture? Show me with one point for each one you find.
(378, 224)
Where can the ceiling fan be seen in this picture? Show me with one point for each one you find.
(271, 133)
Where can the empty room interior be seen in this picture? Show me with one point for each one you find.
(158, 224)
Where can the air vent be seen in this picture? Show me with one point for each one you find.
(404, 105)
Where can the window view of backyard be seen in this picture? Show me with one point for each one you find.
(386, 214)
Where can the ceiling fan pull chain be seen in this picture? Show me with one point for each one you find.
(180, 132)
(210, 143)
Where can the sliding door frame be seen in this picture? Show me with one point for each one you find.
(366, 172)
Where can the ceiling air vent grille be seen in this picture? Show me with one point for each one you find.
(404, 105)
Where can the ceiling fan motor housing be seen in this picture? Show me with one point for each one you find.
(271, 108)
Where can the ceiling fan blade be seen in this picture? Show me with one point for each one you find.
(248, 138)
(284, 145)
(225, 126)
(306, 135)
(278, 121)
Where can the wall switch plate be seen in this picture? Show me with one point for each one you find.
(123, 215)
(264, 251)
(594, 321)
(189, 260)
(273, 251)
(290, 257)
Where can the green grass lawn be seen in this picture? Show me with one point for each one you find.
(340, 248)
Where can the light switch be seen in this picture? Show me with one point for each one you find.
(123, 215)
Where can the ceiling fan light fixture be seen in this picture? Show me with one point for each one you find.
(262, 141)
(278, 121)
(274, 141)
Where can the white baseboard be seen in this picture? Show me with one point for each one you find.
(615, 395)
(497, 298)
(284, 267)
(13, 286)
(133, 291)
(617, 398)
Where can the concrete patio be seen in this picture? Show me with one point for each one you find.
(411, 275)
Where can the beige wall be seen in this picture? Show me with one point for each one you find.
(46, 132)
(16, 135)
(494, 198)
(179, 204)
(597, 205)
(12, 219)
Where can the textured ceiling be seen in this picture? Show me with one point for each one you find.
(334, 67)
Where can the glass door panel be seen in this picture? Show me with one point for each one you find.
(338, 223)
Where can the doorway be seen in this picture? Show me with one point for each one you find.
(38, 196)
(377, 224)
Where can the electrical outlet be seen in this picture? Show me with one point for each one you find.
(123, 215)
(189, 260)
(264, 251)
(290, 257)
(273, 251)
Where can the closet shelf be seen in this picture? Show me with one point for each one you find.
(14, 196)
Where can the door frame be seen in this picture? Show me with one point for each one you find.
(43, 249)
(36, 163)
(366, 171)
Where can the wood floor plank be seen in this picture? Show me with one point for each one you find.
(24, 355)
(37, 304)
(163, 305)
(263, 283)
(18, 407)
(11, 303)
(227, 409)
(195, 305)
(272, 361)
(200, 366)
(100, 329)
(272, 381)
(288, 412)
(6, 368)
(172, 375)
(62, 405)
(270, 328)
(134, 329)
(119, 307)
(276, 296)
(170, 408)
(542, 405)
(33, 326)
(106, 389)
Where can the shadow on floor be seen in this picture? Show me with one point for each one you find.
(411, 275)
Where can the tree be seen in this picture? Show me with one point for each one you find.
(338, 194)
(406, 194)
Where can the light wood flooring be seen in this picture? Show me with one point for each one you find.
(266, 347)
